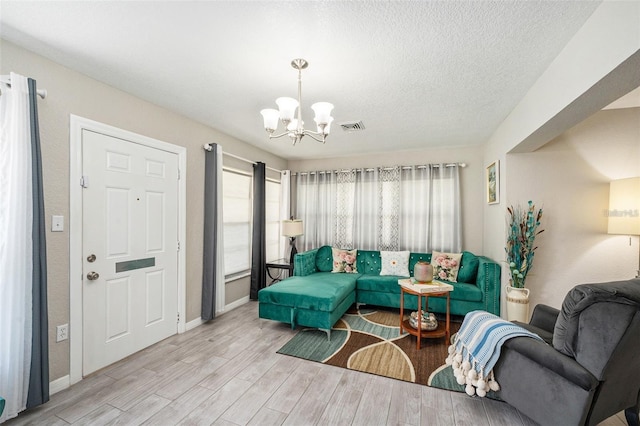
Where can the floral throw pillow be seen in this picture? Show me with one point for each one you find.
(446, 265)
(344, 261)
(395, 263)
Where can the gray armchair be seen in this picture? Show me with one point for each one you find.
(590, 368)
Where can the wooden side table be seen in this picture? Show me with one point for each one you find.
(282, 265)
(405, 325)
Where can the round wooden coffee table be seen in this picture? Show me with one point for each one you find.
(405, 325)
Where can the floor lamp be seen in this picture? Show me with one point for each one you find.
(292, 229)
(624, 209)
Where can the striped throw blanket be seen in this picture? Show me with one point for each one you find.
(476, 349)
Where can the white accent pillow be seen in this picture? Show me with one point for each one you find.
(395, 263)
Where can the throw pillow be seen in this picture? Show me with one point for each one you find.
(468, 268)
(446, 265)
(395, 263)
(324, 259)
(344, 261)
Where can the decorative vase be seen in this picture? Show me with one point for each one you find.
(423, 272)
(517, 304)
(428, 322)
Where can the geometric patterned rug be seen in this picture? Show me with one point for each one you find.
(369, 340)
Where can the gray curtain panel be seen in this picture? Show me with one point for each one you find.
(211, 199)
(258, 246)
(39, 376)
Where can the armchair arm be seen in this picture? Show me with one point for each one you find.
(305, 263)
(544, 317)
(544, 384)
(546, 357)
(488, 280)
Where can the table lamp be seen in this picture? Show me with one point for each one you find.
(624, 209)
(292, 228)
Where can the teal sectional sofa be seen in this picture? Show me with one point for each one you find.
(316, 297)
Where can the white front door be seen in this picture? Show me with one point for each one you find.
(130, 247)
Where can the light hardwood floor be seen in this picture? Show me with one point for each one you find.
(227, 372)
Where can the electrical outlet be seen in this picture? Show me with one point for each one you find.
(62, 332)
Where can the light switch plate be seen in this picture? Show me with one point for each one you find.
(57, 223)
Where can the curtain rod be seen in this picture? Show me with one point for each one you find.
(7, 80)
(463, 165)
(208, 147)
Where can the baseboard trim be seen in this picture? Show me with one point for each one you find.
(198, 321)
(193, 324)
(236, 304)
(59, 384)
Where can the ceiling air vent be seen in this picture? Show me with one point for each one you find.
(355, 126)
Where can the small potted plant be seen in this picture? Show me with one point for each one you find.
(523, 227)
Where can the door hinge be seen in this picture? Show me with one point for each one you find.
(178, 316)
(178, 246)
(178, 174)
(84, 181)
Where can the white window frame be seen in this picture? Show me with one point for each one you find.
(244, 273)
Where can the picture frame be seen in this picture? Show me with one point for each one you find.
(493, 183)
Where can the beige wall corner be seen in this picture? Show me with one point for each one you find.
(596, 67)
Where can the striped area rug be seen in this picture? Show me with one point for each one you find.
(369, 340)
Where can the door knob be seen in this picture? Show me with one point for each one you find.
(92, 276)
(91, 258)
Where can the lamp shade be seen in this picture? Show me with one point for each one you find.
(270, 117)
(327, 127)
(322, 111)
(624, 206)
(292, 228)
(287, 107)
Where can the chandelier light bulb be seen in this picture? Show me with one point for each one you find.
(293, 125)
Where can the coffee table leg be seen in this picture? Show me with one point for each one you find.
(401, 308)
(448, 306)
(419, 336)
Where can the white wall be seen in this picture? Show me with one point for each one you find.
(73, 93)
(471, 179)
(569, 177)
(599, 65)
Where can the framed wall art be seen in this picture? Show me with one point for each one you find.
(493, 183)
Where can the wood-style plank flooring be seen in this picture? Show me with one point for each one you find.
(227, 372)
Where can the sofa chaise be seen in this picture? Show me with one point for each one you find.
(316, 297)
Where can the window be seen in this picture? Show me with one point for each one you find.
(413, 208)
(236, 199)
(272, 215)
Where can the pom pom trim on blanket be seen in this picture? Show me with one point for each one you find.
(476, 349)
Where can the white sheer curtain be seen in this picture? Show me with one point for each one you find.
(316, 206)
(430, 208)
(285, 209)
(446, 231)
(16, 250)
(371, 204)
(219, 260)
(414, 208)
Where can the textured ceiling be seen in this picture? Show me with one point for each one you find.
(418, 74)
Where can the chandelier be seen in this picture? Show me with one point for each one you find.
(293, 124)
